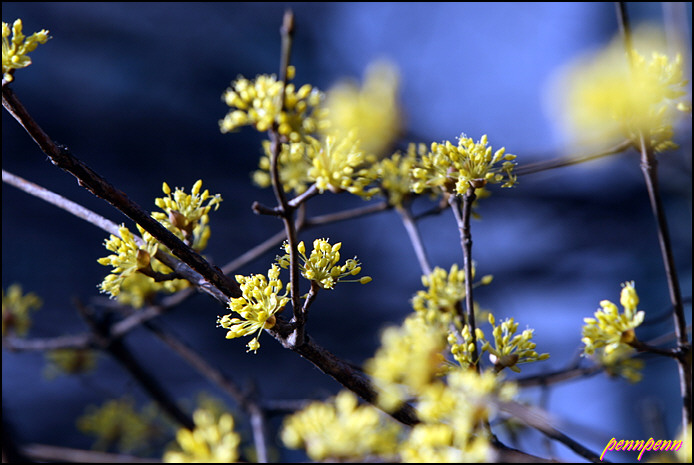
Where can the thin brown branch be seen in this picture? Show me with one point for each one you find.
(560, 162)
(649, 168)
(541, 421)
(463, 221)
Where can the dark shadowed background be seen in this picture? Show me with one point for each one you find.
(134, 89)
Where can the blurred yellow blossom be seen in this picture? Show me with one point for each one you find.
(14, 51)
(293, 165)
(394, 174)
(371, 111)
(117, 424)
(410, 356)
(69, 361)
(212, 441)
(338, 164)
(613, 95)
(15, 310)
(341, 429)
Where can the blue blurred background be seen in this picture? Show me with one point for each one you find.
(134, 89)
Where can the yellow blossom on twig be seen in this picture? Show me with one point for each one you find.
(212, 441)
(456, 168)
(187, 215)
(15, 310)
(322, 265)
(256, 307)
(257, 103)
(341, 429)
(14, 51)
(609, 328)
(614, 95)
(510, 348)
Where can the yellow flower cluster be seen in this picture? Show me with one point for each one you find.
(257, 103)
(509, 350)
(257, 306)
(451, 413)
(69, 361)
(335, 164)
(212, 441)
(129, 258)
(409, 358)
(372, 111)
(620, 362)
(15, 310)
(187, 215)
(613, 95)
(14, 51)
(322, 265)
(445, 292)
(611, 329)
(293, 164)
(338, 164)
(456, 168)
(394, 174)
(117, 424)
(341, 429)
(463, 350)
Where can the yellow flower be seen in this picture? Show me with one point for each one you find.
(293, 165)
(444, 292)
(14, 52)
(410, 357)
(69, 361)
(16, 308)
(338, 164)
(394, 173)
(371, 111)
(510, 350)
(322, 265)
(212, 441)
(117, 423)
(257, 306)
(187, 215)
(341, 429)
(613, 95)
(456, 168)
(609, 328)
(128, 259)
(257, 103)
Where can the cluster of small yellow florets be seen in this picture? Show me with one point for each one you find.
(212, 441)
(322, 266)
(608, 336)
(16, 308)
(14, 51)
(132, 279)
(257, 307)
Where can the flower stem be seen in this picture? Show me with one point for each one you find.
(649, 169)
(463, 220)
